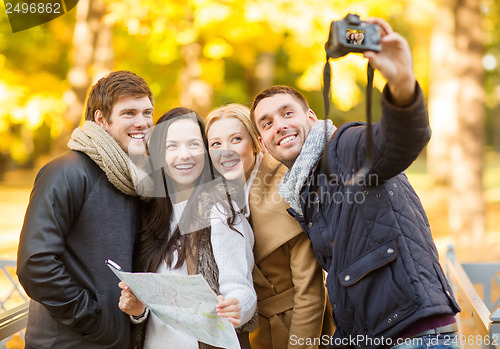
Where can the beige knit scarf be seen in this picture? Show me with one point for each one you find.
(100, 146)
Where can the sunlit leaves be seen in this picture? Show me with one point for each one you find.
(31, 89)
(217, 49)
(232, 35)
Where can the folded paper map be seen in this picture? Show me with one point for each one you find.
(185, 302)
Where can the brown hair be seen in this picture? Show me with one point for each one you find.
(274, 90)
(106, 92)
(236, 111)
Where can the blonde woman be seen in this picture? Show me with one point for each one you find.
(289, 282)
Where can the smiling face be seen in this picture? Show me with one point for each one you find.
(231, 148)
(129, 120)
(283, 125)
(184, 154)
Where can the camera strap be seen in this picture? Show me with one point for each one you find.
(361, 174)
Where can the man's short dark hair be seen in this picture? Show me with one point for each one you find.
(106, 92)
(274, 90)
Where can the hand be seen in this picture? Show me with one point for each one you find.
(229, 308)
(394, 62)
(129, 303)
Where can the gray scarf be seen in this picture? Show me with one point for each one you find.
(101, 147)
(294, 179)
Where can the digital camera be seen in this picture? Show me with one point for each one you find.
(350, 34)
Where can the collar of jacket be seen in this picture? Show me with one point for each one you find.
(271, 223)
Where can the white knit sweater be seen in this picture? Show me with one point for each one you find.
(233, 254)
(234, 257)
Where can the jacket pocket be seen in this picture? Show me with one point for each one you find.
(378, 289)
(446, 287)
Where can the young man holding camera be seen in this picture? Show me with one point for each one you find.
(384, 280)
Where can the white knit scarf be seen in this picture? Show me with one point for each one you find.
(294, 179)
(101, 147)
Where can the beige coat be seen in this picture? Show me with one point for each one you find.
(288, 280)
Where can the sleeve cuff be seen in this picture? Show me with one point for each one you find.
(387, 98)
(139, 319)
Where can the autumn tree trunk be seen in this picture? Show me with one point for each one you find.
(263, 74)
(443, 92)
(92, 57)
(457, 116)
(467, 208)
(195, 93)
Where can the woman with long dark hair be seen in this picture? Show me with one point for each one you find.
(191, 226)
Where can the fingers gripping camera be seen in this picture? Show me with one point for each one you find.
(350, 34)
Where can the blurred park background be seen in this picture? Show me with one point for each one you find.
(204, 53)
